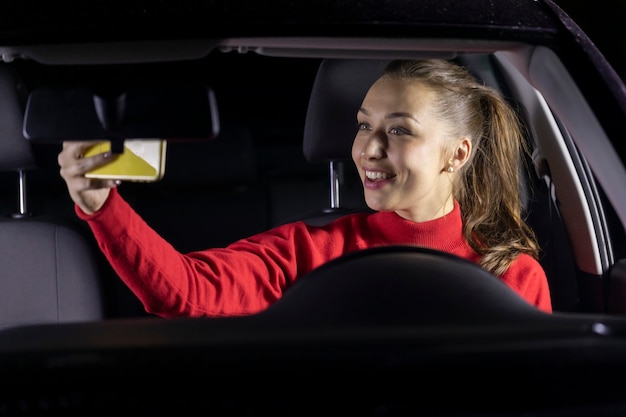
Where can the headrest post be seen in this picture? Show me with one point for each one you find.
(334, 185)
(22, 197)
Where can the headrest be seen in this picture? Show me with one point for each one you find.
(338, 90)
(15, 151)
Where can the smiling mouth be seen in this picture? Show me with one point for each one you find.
(377, 175)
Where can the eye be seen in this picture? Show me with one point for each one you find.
(363, 126)
(398, 131)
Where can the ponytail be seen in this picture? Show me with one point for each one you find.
(489, 189)
(488, 185)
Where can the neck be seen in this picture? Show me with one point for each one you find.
(427, 214)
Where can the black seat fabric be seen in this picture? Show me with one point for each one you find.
(48, 270)
(49, 274)
(337, 93)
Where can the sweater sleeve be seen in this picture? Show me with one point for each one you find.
(243, 278)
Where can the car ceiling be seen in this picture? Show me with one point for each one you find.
(30, 22)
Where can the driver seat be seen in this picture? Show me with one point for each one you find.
(330, 126)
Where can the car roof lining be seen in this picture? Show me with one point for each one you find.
(183, 50)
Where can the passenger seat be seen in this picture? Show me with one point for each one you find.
(48, 269)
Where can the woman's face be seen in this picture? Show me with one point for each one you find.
(398, 151)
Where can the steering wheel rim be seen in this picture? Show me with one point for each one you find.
(379, 286)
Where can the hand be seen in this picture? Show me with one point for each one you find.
(89, 194)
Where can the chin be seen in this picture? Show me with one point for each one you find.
(376, 205)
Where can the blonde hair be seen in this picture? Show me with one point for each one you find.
(488, 185)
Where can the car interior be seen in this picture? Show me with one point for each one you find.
(277, 150)
(293, 163)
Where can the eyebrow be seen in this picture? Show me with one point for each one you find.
(394, 115)
(402, 114)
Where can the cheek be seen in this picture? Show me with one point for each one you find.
(356, 149)
(423, 160)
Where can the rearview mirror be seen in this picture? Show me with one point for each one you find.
(172, 112)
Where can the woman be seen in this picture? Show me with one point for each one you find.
(438, 156)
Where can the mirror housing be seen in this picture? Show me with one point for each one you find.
(171, 112)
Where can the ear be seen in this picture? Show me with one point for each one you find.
(461, 153)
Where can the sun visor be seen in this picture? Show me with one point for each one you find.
(171, 112)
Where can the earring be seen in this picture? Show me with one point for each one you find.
(450, 169)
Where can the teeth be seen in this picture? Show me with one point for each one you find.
(376, 175)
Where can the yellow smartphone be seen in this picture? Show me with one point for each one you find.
(143, 160)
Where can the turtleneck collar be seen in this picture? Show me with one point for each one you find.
(443, 233)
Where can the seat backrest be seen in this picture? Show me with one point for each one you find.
(48, 269)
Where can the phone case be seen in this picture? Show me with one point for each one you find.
(142, 160)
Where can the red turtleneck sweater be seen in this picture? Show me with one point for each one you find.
(250, 274)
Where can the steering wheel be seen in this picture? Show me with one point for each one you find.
(399, 285)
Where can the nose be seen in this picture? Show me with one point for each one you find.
(373, 146)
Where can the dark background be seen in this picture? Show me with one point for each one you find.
(604, 21)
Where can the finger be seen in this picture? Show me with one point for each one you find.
(82, 183)
(73, 150)
(73, 166)
(85, 164)
(96, 183)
